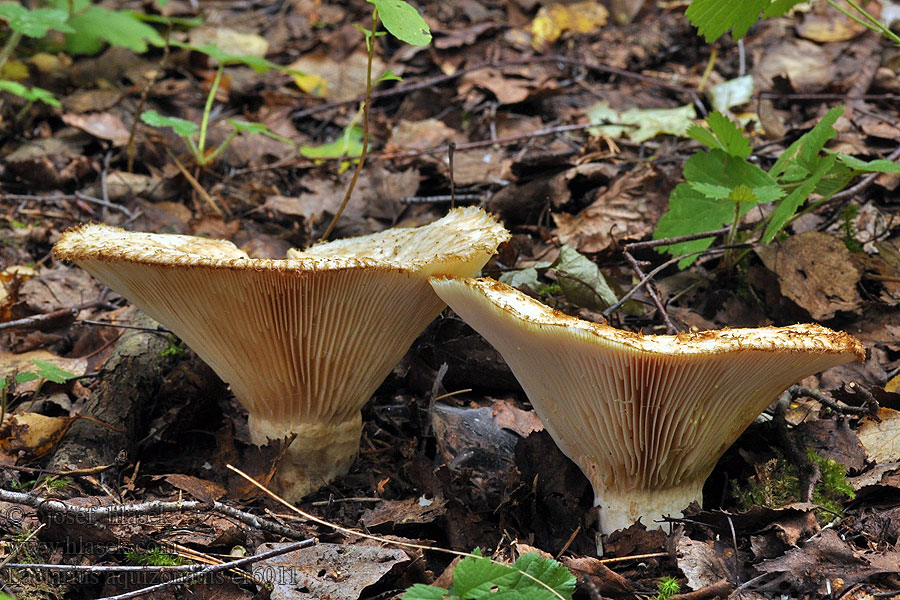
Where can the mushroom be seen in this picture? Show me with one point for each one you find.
(646, 418)
(304, 341)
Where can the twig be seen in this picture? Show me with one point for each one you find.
(106, 568)
(651, 291)
(104, 201)
(451, 148)
(217, 568)
(870, 407)
(158, 329)
(195, 184)
(94, 514)
(442, 198)
(808, 471)
(35, 321)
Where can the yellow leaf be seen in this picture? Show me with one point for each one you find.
(551, 21)
(32, 434)
(14, 70)
(881, 438)
(312, 84)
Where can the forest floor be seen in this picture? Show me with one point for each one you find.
(130, 420)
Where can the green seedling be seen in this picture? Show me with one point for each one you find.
(480, 578)
(666, 588)
(722, 184)
(195, 135)
(45, 370)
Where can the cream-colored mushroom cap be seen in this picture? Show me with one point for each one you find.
(305, 341)
(645, 417)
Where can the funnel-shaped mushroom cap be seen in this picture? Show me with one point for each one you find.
(645, 417)
(303, 342)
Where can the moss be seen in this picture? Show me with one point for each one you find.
(777, 483)
(666, 587)
(154, 558)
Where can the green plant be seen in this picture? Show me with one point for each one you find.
(712, 18)
(175, 348)
(479, 578)
(777, 483)
(666, 587)
(405, 23)
(722, 184)
(195, 135)
(45, 370)
(155, 557)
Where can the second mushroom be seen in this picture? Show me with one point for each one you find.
(645, 417)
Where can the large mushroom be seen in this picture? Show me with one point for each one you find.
(304, 341)
(645, 417)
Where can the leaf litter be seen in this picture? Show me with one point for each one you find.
(473, 468)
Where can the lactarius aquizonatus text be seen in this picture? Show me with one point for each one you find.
(303, 342)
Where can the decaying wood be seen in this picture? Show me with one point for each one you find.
(128, 385)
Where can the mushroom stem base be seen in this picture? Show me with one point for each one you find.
(620, 509)
(319, 454)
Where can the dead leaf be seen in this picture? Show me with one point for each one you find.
(419, 135)
(606, 580)
(626, 210)
(806, 65)
(509, 86)
(816, 271)
(326, 571)
(105, 126)
(881, 437)
(346, 78)
(825, 24)
(412, 511)
(509, 416)
(31, 434)
(230, 41)
(553, 20)
(201, 489)
(703, 563)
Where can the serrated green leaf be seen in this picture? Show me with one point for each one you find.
(730, 135)
(26, 376)
(51, 372)
(182, 127)
(742, 193)
(425, 592)
(712, 18)
(349, 144)
(389, 76)
(549, 572)
(34, 23)
(34, 94)
(786, 208)
(97, 25)
(581, 280)
(805, 151)
(690, 212)
(474, 578)
(717, 168)
(403, 21)
(872, 166)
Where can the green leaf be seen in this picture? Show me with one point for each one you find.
(805, 151)
(403, 21)
(187, 22)
(873, 166)
(257, 63)
(425, 592)
(34, 23)
(581, 280)
(51, 372)
(712, 18)
(389, 76)
(26, 376)
(690, 212)
(34, 94)
(779, 8)
(248, 127)
(648, 122)
(729, 135)
(522, 279)
(97, 25)
(708, 171)
(349, 144)
(786, 208)
(182, 127)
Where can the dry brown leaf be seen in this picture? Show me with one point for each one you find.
(346, 78)
(419, 135)
(201, 489)
(105, 126)
(806, 65)
(816, 271)
(825, 24)
(32, 434)
(881, 437)
(334, 571)
(509, 416)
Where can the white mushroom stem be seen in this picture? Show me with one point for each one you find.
(645, 417)
(303, 342)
